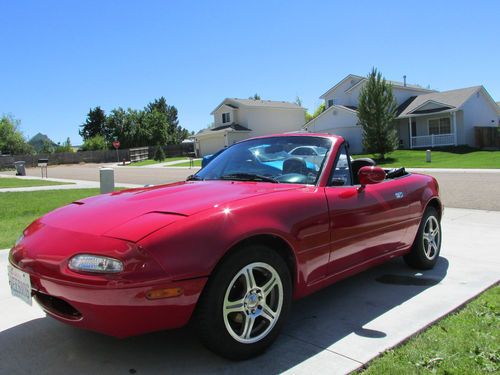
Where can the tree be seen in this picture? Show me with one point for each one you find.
(47, 147)
(321, 108)
(298, 101)
(183, 134)
(124, 125)
(154, 113)
(94, 124)
(157, 123)
(157, 126)
(376, 113)
(159, 155)
(95, 143)
(158, 104)
(65, 147)
(12, 140)
(255, 97)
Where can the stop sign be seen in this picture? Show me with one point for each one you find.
(116, 144)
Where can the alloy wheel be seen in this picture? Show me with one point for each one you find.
(253, 302)
(431, 237)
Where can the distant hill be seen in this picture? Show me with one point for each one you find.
(38, 141)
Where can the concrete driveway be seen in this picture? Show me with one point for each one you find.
(336, 330)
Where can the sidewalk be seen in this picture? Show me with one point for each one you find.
(334, 331)
(452, 170)
(75, 184)
(168, 164)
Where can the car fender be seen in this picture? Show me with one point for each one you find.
(193, 247)
(422, 189)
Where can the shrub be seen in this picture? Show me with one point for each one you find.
(95, 143)
(159, 154)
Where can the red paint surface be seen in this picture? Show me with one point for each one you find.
(371, 175)
(174, 235)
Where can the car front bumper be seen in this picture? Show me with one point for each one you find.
(118, 312)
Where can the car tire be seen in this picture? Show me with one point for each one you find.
(427, 245)
(245, 303)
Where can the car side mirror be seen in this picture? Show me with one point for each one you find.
(370, 175)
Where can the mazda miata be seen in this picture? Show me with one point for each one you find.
(231, 247)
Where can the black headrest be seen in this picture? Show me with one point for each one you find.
(294, 165)
(362, 162)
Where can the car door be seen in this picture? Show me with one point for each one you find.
(364, 223)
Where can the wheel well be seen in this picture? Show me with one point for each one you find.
(277, 244)
(434, 202)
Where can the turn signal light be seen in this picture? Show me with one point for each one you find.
(164, 293)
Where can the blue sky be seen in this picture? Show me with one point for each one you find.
(61, 58)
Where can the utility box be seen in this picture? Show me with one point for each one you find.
(107, 179)
(20, 168)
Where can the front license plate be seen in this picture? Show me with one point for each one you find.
(20, 284)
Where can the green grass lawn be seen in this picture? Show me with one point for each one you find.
(151, 161)
(466, 342)
(196, 163)
(13, 182)
(460, 157)
(19, 209)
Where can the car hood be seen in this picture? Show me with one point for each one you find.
(132, 214)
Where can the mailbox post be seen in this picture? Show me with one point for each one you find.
(43, 163)
(191, 159)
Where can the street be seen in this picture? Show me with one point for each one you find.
(458, 188)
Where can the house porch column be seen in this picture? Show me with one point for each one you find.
(454, 124)
(411, 135)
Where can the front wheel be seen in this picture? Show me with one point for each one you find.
(245, 303)
(425, 250)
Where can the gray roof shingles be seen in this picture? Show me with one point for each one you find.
(452, 98)
(232, 126)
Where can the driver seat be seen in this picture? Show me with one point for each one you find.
(295, 165)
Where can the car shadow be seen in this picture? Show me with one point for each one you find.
(316, 322)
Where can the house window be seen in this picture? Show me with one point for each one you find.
(226, 117)
(440, 126)
(330, 103)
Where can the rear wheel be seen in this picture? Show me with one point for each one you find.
(425, 250)
(245, 303)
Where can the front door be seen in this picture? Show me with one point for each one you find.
(364, 223)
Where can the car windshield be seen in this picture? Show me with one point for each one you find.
(270, 160)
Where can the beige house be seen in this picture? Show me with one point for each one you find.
(239, 119)
(425, 118)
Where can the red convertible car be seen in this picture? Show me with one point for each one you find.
(230, 248)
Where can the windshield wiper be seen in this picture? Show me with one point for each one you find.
(194, 177)
(248, 177)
